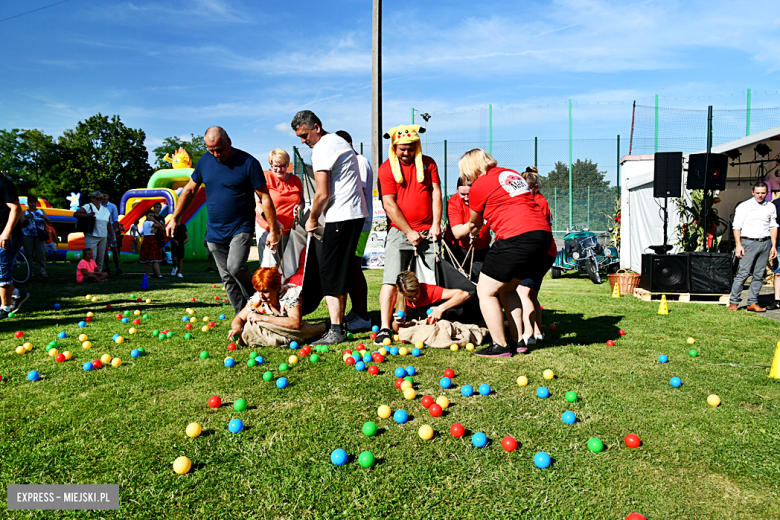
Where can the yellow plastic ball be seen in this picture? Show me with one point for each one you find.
(425, 432)
(27, 347)
(396, 337)
(292, 359)
(713, 400)
(120, 339)
(83, 337)
(182, 465)
(20, 350)
(469, 346)
(205, 328)
(362, 352)
(691, 341)
(406, 384)
(386, 342)
(419, 344)
(454, 347)
(89, 297)
(443, 402)
(382, 350)
(105, 359)
(132, 330)
(409, 394)
(190, 311)
(206, 319)
(137, 312)
(150, 301)
(116, 362)
(86, 344)
(90, 314)
(522, 381)
(193, 430)
(53, 352)
(94, 298)
(548, 374)
(403, 351)
(384, 411)
(68, 354)
(193, 319)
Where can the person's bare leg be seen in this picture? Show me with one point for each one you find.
(511, 303)
(181, 263)
(6, 292)
(387, 298)
(488, 290)
(156, 267)
(528, 312)
(358, 289)
(537, 315)
(336, 308)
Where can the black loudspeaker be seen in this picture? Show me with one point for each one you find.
(667, 174)
(665, 273)
(715, 179)
(710, 273)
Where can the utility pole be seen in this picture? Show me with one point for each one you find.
(376, 88)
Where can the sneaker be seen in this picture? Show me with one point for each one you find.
(358, 324)
(494, 350)
(210, 270)
(179, 275)
(521, 347)
(331, 338)
(119, 272)
(530, 340)
(3, 314)
(161, 276)
(107, 270)
(539, 337)
(380, 337)
(351, 315)
(18, 300)
(173, 273)
(773, 306)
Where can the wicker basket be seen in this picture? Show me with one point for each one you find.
(627, 281)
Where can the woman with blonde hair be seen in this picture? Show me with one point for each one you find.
(502, 198)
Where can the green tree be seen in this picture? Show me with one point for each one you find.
(196, 147)
(102, 152)
(592, 196)
(30, 159)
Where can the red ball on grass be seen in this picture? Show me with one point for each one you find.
(399, 382)
(19, 334)
(232, 347)
(427, 401)
(435, 410)
(449, 373)
(350, 361)
(610, 343)
(552, 326)
(215, 401)
(622, 332)
(632, 441)
(457, 430)
(509, 443)
(373, 370)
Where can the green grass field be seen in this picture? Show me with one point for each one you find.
(126, 425)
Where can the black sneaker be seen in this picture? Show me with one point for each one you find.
(17, 301)
(773, 306)
(380, 337)
(520, 347)
(3, 314)
(331, 338)
(119, 272)
(494, 350)
(210, 270)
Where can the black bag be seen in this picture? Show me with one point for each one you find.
(449, 277)
(86, 224)
(42, 235)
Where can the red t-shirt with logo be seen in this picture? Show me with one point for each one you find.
(413, 198)
(429, 294)
(545, 207)
(286, 195)
(503, 197)
(459, 213)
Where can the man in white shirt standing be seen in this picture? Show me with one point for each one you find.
(755, 235)
(338, 195)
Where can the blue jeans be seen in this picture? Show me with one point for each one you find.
(7, 257)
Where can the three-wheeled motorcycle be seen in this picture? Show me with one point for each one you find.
(583, 252)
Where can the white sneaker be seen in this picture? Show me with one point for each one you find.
(529, 340)
(359, 324)
(179, 275)
(539, 337)
(173, 273)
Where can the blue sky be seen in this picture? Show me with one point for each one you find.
(176, 67)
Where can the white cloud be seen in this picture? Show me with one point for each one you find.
(285, 128)
(211, 11)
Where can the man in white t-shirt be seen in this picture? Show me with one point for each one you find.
(338, 196)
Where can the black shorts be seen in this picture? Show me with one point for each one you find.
(534, 281)
(177, 251)
(339, 243)
(518, 258)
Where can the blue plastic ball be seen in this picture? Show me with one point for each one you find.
(281, 382)
(222, 316)
(62, 335)
(114, 337)
(411, 370)
(479, 440)
(294, 345)
(400, 416)
(34, 375)
(445, 382)
(229, 362)
(429, 311)
(394, 351)
(135, 353)
(360, 366)
(675, 382)
(400, 372)
(569, 417)
(663, 358)
(355, 356)
(236, 425)
(56, 305)
(467, 391)
(375, 328)
(259, 360)
(125, 320)
(87, 366)
(338, 457)
(484, 389)
(542, 392)
(416, 352)
(542, 460)
(82, 324)
(185, 318)
(400, 315)
(367, 358)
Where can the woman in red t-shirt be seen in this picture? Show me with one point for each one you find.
(457, 236)
(416, 295)
(523, 235)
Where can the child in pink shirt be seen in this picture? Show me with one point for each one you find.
(85, 271)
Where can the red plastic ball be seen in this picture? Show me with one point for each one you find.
(188, 326)
(88, 318)
(136, 321)
(632, 441)
(553, 327)
(216, 298)
(360, 346)
(347, 351)
(636, 516)
(380, 358)
(214, 286)
(541, 307)
(215, 401)
(97, 364)
(118, 316)
(622, 332)
(19, 334)
(350, 361)
(457, 430)
(60, 358)
(399, 382)
(108, 306)
(509, 443)
(435, 410)
(232, 347)
(374, 356)
(193, 299)
(224, 301)
(211, 325)
(427, 401)
(139, 299)
(166, 331)
(449, 373)
(373, 370)
(610, 343)
(372, 335)
(305, 350)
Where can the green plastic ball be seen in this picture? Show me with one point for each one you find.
(126, 313)
(284, 367)
(252, 355)
(693, 353)
(204, 354)
(571, 396)
(169, 335)
(161, 337)
(132, 296)
(11, 314)
(314, 358)
(146, 316)
(142, 351)
(54, 343)
(324, 349)
(595, 445)
(268, 376)
(366, 459)
(239, 405)
(409, 378)
(350, 335)
(188, 336)
(251, 363)
(155, 332)
(369, 429)
(49, 347)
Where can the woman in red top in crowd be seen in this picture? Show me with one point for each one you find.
(457, 235)
(416, 295)
(523, 236)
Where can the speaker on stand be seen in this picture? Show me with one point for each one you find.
(667, 182)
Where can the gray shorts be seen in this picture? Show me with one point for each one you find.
(399, 254)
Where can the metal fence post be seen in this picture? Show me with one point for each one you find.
(536, 152)
(446, 197)
(570, 172)
(361, 148)
(490, 129)
(656, 123)
(555, 215)
(747, 128)
(618, 165)
(588, 207)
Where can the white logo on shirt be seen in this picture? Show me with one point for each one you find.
(513, 183)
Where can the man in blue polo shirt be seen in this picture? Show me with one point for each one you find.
(231, 178)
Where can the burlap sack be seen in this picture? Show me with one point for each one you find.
(268, 335)
(443, 333)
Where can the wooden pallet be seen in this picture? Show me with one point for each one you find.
(647, 296)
